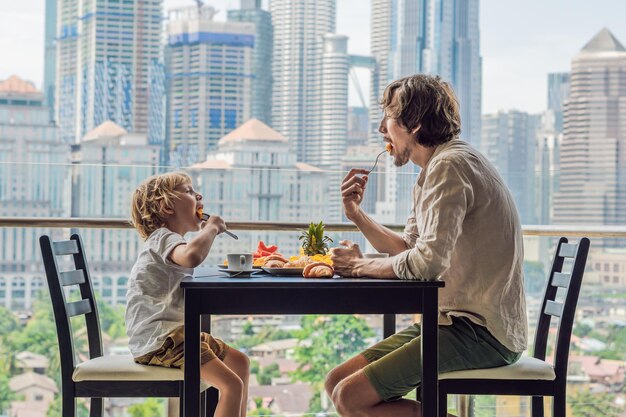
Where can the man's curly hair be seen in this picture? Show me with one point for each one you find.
(426, 101)
(153, 198)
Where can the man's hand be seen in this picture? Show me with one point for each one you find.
(348, 259)
(352, 189)
(216, 223)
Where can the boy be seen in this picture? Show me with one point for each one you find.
(164, 209)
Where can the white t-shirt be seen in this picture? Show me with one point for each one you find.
(155, 304)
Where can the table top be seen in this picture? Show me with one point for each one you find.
(212, 277)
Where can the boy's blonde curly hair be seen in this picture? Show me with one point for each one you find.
(153, 198)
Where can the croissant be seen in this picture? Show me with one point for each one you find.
(274, 263)
(275, 257)
(318, 270)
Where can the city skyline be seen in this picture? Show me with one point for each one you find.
(516, 59)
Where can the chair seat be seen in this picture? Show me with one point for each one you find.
(527, 368)
(124, 368)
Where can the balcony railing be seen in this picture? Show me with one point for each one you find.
(119, 223)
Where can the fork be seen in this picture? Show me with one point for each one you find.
(376, 163)
(205, 217)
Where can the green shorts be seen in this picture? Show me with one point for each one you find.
(395, 369)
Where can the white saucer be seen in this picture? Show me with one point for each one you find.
(241, 273)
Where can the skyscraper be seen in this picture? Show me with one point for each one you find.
(209, 73)
(509, 142)
(50, 52)
(558, 91)
(299, 27)
(104, 52)
(251, 11)
(439, 37)
(592, 188)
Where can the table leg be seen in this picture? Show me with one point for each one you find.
(430, 352)
(191, 384)
(389, 325)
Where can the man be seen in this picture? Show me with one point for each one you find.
(463, 229)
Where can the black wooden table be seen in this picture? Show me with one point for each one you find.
(211, 293)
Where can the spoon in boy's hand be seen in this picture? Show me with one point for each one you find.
(205, 217)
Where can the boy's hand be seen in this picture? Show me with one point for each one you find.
(215, 222)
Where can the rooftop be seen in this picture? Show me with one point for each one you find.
(253, 130)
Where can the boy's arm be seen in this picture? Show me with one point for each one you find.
(192, 254)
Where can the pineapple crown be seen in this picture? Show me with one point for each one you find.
(313, 240)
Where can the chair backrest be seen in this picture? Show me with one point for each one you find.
(570, 283)
(63, 309)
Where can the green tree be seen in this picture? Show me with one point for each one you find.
(6, 395)
(330, 341)
(248, 329)
(586, 404)
(8, 322)
(267, 373)
(582, 330)
(151, 407)
(260, 410)
(112, 321)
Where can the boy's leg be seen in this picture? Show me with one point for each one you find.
(240, 365)
(217, 374)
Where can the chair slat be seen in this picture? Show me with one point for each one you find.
(554, 308)
(72, 277)
(561, 279)
(568, 250)
(77, 308)
(65, 247)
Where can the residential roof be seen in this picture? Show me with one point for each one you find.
(276, 345)
(107, 129)
(30, 379)
(15, 84)
(212, 164)
(253, 130)
(604, 41)
(293, 398)
(31, 360)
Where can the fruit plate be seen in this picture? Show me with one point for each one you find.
(284, 271)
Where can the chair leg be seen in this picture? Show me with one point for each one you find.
(558, 406)
(203, 401)
(181, 411)
(464, 405)
(68, 405)
(537, 407)
(96, 407)
(443, 403)
(212, 395)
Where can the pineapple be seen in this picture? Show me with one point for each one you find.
(313, 240)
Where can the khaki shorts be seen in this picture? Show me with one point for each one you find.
(395, 369)
(172, 353)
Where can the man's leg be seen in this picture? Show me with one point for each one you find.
(343, 371)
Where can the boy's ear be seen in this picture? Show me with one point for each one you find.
(168, 211)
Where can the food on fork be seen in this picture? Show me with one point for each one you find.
(388, 147)
(318, 270)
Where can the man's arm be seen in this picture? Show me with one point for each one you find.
(381, 238)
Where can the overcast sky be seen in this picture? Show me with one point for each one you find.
(521, 41)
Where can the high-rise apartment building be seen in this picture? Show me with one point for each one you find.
(299, 29)
(104, 52)
(34, 179)
(251, 11)
(592, 189)
(509, 142)
(209, 81)
(558, 91)
(50, 55)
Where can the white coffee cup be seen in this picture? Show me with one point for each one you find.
(375, 255)
(239, 261)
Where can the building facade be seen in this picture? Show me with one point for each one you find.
(34, 179)
(104, 52)
(592, 185)
(209, 81)
(251, 11)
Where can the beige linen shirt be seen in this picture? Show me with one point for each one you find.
(464, 229)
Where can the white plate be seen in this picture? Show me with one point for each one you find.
(239, 274)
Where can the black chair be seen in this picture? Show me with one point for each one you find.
(101, 376)
(532, 376)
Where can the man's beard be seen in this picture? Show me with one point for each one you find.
(402, 159)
